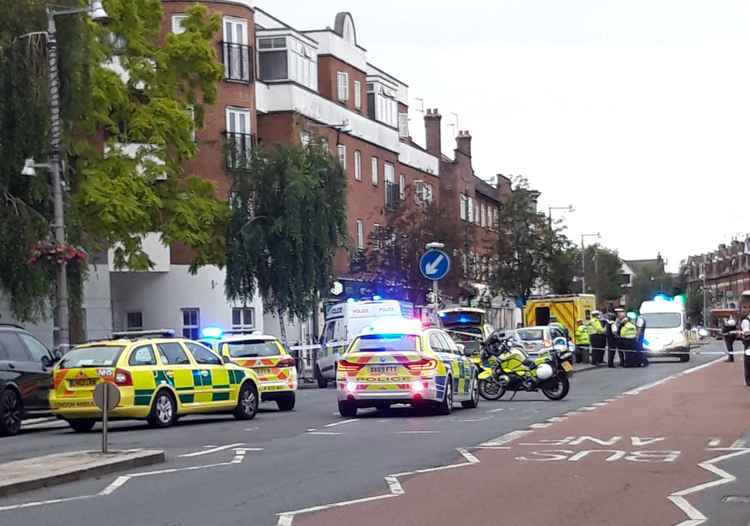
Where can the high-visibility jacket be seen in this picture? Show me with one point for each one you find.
(628, 330)
(582, 335)
(595, 326)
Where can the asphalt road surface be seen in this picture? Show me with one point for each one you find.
(225, 472)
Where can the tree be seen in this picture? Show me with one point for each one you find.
(524, 246)
(648, 282)
(391, 259)
(603, 272)
(562, 270)
(288, 220)
(117, 195)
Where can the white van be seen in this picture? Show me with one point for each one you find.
(666, 329)
(344, 322)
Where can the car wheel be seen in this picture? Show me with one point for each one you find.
(163, 411)
(474, 402)
(247, 402)
(286, 403)
(11, 410)
(322, 382)
(82, 425)
(446, 406)
(347, 409)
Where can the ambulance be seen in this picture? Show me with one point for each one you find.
(344, 322)
(564, 310)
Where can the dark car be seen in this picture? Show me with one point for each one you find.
(25, 377)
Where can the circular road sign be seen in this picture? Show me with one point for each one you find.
(434, 264)
(113, 395)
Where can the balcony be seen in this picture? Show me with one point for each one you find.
(238, 149)
(392, 196)
(238, 62)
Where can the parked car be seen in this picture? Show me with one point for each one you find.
(25, 377)
(541, 338)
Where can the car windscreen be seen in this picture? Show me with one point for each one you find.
(103, 356)
(662, 320)
(451, 319)
(385, 343)
(530, 335)
(253, 348)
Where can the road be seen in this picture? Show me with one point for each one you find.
(224, 472)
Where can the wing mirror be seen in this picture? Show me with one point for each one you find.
(47, 361)
(560, 344)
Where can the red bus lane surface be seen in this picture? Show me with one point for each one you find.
(632, 460)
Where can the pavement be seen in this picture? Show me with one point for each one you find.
(225, 472)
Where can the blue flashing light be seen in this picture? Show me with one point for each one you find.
(376, 298)
(662, 297)
(212, 332)
(464, 319)
(351, 300)
(441, 314)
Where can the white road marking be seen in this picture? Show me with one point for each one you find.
(669, 378)
(323, 433)
(334, 424)
(416, 432)
(212, 450)
(506, 438)
(714, 442)
(118, 483)
(695, 517)
(480, 419)
(496, 410)
(252, 428)
(737, 444)
(394, 486)
(540, 425)
(43, 502)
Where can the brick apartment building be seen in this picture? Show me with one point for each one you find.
(285, 86)
(725, 272)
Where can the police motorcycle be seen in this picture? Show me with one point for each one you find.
(506, 367)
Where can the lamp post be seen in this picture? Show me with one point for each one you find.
(97, 13)
(705, 302)
(551, 208)
(583, 259)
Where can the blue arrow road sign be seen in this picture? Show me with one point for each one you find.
(434, 264)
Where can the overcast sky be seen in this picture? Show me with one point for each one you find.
(636, 112)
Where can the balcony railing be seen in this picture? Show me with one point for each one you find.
(238, 61)
(392, 195)
(239, 147)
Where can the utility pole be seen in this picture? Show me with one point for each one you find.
(551, 208)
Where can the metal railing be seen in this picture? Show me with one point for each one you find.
(239, 147)
(238, 61)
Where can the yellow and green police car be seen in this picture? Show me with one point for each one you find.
(159, 378)
(265, 355)
(400, 362)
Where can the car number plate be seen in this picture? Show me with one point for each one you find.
(378, 369)
(263, 370)
(567, 367)
(83, 382)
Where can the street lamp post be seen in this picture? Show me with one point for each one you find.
(705, 301)
(583, 259)
(551, 208)
(97, 13)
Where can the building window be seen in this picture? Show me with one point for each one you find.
(324, 143)
(236, 54)
(342, 79)
(427, 193)
(239, 137)
(273, 59)
(177, 21)
(360, 235)
(357, 165)
(134, 320)
(342, 155)
(374, 170)
(305, 137)
(382, 105)
(391, 188)
(483, 220)
(243, 318)
(470, 215)
(402, 186)
(462, 207)
(191, 323)
(377, 233)
(357, 94)
(476, 212)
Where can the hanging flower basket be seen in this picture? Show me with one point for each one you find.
(51, 252)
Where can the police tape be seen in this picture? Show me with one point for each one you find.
(650, 353)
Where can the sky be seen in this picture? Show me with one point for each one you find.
(635, 112)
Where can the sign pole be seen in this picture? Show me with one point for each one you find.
(435, 301)
(104, 420)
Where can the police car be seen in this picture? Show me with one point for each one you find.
(265, 355)
(160, 378)
(400, 362)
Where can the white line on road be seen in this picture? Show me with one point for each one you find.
(506, 438)
(417, 432)
(714, 442)
(43, 502)
(480, 419)
(212, 450)
(334, 424)
(496, 410)
(737, 444)
(324, 433)
(540, 425)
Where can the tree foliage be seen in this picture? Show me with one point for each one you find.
(649, 281)
(288, 220)
(391, 257)
(525, 243)
(117, 195)
(603, 272)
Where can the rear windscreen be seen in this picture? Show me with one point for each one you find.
(530, 335)
(385, 343)
(104, 356)
(253, 349)
(461, 318)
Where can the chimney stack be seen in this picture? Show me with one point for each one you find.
(432, 132)
(463, 142)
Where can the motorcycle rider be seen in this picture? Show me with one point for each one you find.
(729, 331)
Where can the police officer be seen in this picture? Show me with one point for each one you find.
(597, 338)
(745, 326)
(729, 331)
(611, 335)
(627, 341)
(641, 326)
(583, 352)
